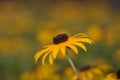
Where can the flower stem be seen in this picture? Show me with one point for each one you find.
(74, 68)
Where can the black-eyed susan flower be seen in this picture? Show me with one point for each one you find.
(60, 43)
(93, 72)
(89, 73)
(113, 76)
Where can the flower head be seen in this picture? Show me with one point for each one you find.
(92, 72)
(118, 74)
(60, 43)
(113, 76)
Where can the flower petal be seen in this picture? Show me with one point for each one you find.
(44, 57)
(38, 54)
(80, 35)
(63, 49)
(50, 59)
(85, 40)
(73, 48)
(81, 45)
(111, 76)
(97, 71)
(55, 51)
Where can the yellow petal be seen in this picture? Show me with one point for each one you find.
(97, 71)
(63, 49)
(48, 46)
(44, 57)
(85, 40)
(50, 59)
(55, 51)
(80, 35)
(90, 75)
(73, 48)
(81, 45)
(70, 41)
(38, 54)
(111, 76)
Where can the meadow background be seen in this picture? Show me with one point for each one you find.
(27, 25)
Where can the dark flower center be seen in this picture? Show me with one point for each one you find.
(85, 68)
(60, 38)
(118, 74)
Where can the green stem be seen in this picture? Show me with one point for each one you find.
(73, 67)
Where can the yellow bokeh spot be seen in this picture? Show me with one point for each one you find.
(47, 34)
(95, 32)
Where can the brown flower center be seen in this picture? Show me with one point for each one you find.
(85, 68)
(60, 38)
(118, 74)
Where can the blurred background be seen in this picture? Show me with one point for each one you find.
(27, 25)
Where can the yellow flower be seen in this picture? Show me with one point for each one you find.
(62, 42)
(113, 76)
(38, 72)
(89, 73)
(96, 32)
(68, 72)
(93, 72)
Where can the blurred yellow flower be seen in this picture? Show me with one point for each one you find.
(89, 73)
(93, 72)
(102, 65)
(113, 76)
(105, 67)
(27, 76)
(8, 45)
(62, 42)
(68, 73)
(46, 72)
(50, 30)
(96, 32)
